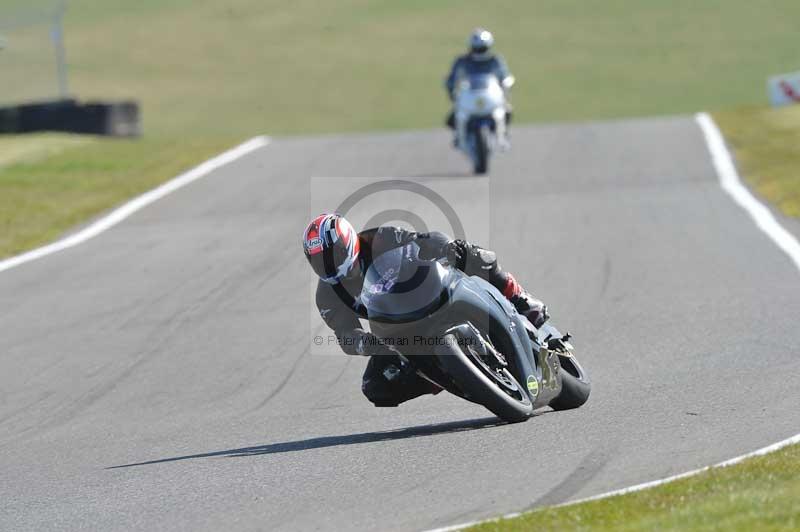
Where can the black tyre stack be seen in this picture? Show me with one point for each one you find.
(117, 119)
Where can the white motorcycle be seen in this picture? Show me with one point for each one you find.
(481, 110)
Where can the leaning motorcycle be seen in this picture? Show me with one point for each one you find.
(480, 113)
(461, 334)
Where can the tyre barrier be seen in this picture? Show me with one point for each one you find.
(117, 119)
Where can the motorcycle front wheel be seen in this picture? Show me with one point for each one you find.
(494, 388)
(482, 150)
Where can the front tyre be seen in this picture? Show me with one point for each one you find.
(482, 150)
(575, 385)
(496, 389)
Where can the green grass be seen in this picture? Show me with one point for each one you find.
(28, 149)
(72, 179)
(279, 66)
(209, 74)
(761, 493)
(766, 144)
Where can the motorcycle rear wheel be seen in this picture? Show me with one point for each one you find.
(575, 385)
(498, 391)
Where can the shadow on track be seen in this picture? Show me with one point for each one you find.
(334, 441)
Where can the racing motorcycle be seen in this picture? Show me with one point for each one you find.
(461, 334)
(481, 113)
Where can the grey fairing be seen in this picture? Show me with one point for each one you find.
(474, 300)
(467, 300)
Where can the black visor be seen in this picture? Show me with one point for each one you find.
(326, 263)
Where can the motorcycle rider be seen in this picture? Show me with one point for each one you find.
(340, 257)
(480, 59)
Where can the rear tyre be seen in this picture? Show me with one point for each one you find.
(498, 391)
(575, 385)
(482, 150)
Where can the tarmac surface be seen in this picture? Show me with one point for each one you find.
(160, 376)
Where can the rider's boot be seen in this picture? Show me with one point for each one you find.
(461, 133)
(503, 142)
(503, 138)
(450, 122)
(527, 305)
(503, 134)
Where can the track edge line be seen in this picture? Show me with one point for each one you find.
(637, 487)
(731, 184)
(139, 202)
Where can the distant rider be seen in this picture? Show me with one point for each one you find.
(480, 59)
(340, 257)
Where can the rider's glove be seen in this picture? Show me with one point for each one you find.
(457, 251)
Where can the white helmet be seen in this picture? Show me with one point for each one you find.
(480, 43)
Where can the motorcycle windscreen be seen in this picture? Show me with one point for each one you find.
(480, 94)
(400, 287)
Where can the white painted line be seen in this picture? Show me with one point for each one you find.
(639, 487)
(732, 185)
(733, 461)
(121, 213)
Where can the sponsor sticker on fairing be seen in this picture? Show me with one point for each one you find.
(533, 386)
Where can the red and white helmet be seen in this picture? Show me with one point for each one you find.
(331, 246)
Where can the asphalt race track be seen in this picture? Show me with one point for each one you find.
(158, 377)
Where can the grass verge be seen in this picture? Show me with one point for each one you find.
(57, 181)
(245, 67)
(271, 66)
(760, 493)
(766, 143)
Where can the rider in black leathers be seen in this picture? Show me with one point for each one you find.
(329, 242)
